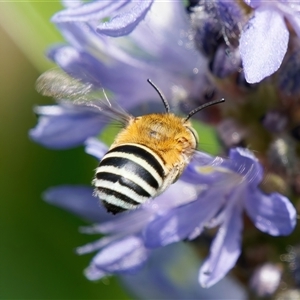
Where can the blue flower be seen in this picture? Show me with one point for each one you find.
(232, 187)
(213, 192)
(65, 125)
(264, 40)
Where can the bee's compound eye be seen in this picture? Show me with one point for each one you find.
(194, 134)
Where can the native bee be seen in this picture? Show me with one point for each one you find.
(148, 154)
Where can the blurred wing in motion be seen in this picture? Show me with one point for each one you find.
(59, 85)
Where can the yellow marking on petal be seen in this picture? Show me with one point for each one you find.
(206, 169)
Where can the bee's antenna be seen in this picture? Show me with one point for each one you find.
(202, 107)
(165, 102)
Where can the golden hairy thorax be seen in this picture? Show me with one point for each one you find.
(166, 134)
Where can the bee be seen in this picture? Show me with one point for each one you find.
(148, 154)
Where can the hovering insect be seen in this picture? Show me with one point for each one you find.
(148, 154)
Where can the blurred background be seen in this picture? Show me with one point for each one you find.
(37, 241)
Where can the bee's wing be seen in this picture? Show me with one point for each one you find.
(57, 84)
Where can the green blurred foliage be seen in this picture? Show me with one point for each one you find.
(208, 139)
(28, 24)
(37, 241)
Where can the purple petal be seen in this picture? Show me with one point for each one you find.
(203, 169)
(216, 170)
(95, 148)
(209, 175)
(117, 61)
(127, 223)
(203, 159)
(110, 74)
(96, 10)
(253, 3)
(126, 22)
(135, 220)
(122, 256)
(224, 250)
(177, 194)
(71, 3)
(78, 200)
(172, 227)
(171, 273)
(65, 126)
(243, 162)
(180, 222)
(294, 19)
(95, 245)
(263, 44)
(77, 64)
(93, 273)
(273, 214)
(169, 18)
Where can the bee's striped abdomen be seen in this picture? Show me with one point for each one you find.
(127, 176)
